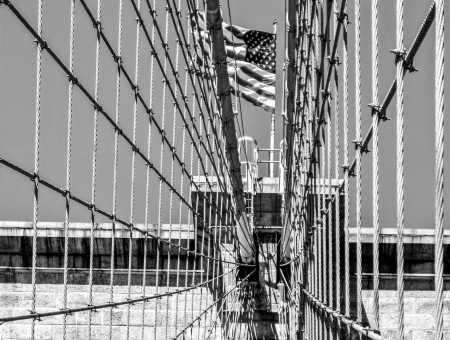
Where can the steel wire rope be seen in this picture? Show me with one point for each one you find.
(357, 142)
(400, 190)
(94, 170)
(180, 205)
(439, 169)
(35, 175)
(115, 166)
(133, 175)
(68, 164)
(375, 169)
(99, 109)
(337, 220)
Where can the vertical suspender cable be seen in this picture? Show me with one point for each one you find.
(329, 229)
(439, 169)
(180, 206)
(147, 184)
(400, 165)
(133, 168)
(68, 164)
(172, 163)
(375, 180)
(94, 165)
(159, 255)
(37, 129)
(115, 166)
(345, 72)
(358, 160)
(337, 221)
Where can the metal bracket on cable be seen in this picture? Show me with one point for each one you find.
(359, 145)
(376, 110)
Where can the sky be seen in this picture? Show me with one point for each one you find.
(17, 89)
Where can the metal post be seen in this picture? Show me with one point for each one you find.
(272, 122)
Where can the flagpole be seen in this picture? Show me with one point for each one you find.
(272, 120)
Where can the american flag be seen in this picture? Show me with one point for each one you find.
(251, 61)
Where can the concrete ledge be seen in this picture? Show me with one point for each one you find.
(389, 235)
(102, 230)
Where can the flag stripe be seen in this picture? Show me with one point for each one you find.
(256, 99)
(251, 83)
(256, 72)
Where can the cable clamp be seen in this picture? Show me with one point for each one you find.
(93, 309)
(36, 316)
(72, 79)
(399, 55)
(98, 26)
(118, 60)
(136, 90)
(135, 149)
(375, 109)
(359, 145)
(41, 43)
(98, 107)
(345, 168)
(139, 21)
(35, 178)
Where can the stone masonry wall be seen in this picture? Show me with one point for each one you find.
(419, 313)
(15, 299)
